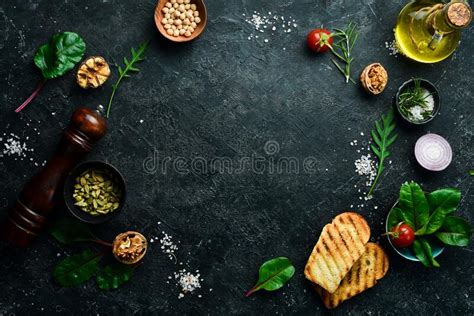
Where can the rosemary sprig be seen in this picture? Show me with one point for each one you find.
(412, 97)
(382, 140)
(137, 56)
(342, 49)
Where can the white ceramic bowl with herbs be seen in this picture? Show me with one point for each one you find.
(418, 101)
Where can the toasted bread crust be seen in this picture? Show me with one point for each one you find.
(339, 246)
(371, 266)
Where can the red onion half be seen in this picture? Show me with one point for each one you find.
(433, 152)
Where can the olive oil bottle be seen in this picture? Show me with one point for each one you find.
(429, 31)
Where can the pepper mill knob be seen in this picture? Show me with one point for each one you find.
(41, 194)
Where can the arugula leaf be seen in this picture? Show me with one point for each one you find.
(422, 250)
(455, 232)
(273, 274)
(67, 230)
(113, 276)
(413, 204)
(76, 269)
(60, 55)
(138, 55)
(442, 202)
(383, 138)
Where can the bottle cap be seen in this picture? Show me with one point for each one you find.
(459, 14)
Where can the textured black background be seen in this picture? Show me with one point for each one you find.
(226, 96)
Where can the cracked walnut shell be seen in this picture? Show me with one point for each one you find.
(129, 247)
(93, 72)
(374, 78)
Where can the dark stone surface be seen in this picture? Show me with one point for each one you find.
(226, 96)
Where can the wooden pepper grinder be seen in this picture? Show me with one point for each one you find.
(42, 193)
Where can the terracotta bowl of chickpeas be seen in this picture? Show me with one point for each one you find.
(181, 20)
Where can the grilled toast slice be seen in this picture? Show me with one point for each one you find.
(371, 266)
(339, 246)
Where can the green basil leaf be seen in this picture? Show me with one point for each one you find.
(422, 250)
(442, 203)
(67, 230)
(60, 55)
(273, 274)
(455, 232)
(394, 218)
(413, 204)
(453, 239)
(76, 269)
(113, 276)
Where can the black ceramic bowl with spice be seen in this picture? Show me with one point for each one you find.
(430, 87)
(69, 188)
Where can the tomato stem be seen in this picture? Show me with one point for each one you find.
(31, 97)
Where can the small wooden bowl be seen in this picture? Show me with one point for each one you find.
(201, 7)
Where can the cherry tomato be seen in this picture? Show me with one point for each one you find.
(402, 235)
(319, 40)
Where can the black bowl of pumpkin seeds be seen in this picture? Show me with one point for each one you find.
(94, 192)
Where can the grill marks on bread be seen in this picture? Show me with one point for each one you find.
(340, 245)
(371, 266)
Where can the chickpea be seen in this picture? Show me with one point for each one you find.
(190, 29)
(193, 7)
(171, 11)
(175, 5)
(182, 16)
(180, 1)
(187, 6)
(187, 1)
(193, 25)
(187, 34)
(164, 21)
(182, 31)
(179, 27)
(175, 33)
(169, 31)
(167, 16)
(191, 19)
(186, 22)
(167, 26)
(173, 1)
(165, 10)
(181, 8)
(177, 13)
(168, 5)
(170, 21)
(196, 13)
(177, 22)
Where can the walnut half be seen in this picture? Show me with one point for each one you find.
(129, 247)
(93, 72)
(374, 78)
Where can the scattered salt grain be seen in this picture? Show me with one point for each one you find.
(268, 24)
(392, 48)
(168, 246)
(187, 281)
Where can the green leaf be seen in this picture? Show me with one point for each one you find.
(414, 205)
(137, 56)
(113, 276)
(454, 239)
(273, 274)
(60, 55)
(442, 203)
(383, 138)
(455, 232)
(422, 250)
(67, 230)
(394, 218)
(76, 269)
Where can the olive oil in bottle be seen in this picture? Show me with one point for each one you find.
(429, 31)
